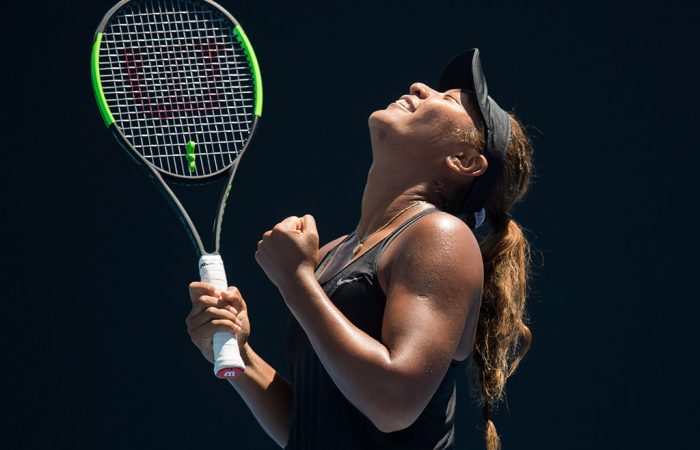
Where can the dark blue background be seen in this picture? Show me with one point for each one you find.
(95, 266)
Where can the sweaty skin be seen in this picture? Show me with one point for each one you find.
(432, 275)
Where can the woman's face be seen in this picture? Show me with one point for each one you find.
(424, 119)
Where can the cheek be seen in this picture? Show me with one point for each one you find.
(432, 126)
(427, 127)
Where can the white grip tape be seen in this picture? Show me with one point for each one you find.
(227, 358)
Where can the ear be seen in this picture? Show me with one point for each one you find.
(470, 164)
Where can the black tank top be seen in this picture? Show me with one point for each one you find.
(322, 418)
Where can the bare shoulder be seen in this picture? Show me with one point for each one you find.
(433, 270)
(439, 226)
(438, 246)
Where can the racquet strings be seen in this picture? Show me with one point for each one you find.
(178, 84)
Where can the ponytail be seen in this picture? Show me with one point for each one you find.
(502, 335)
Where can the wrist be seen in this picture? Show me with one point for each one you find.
(297, 283)
(247, 355)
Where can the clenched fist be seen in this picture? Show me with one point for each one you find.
(289, 249)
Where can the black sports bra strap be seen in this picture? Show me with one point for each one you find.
(396, 232)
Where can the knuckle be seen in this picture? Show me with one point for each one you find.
(204, 300)
(223, 323)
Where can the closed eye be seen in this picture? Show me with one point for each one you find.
(454, 99)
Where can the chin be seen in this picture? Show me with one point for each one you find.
(377, 116)
(386, 129)
(386, 119)
(379, 125)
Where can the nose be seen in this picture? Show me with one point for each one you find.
(421, 90)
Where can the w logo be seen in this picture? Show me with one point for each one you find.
(167, 81)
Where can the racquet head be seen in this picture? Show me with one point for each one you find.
(179, 83)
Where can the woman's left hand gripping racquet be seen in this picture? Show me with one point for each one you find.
(178, 84)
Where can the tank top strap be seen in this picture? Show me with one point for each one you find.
(326, 259)
(390, 238)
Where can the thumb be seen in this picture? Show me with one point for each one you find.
(308, 224)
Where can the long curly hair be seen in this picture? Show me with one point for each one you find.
(502, 335)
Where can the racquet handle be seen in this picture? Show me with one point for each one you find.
(227, 357)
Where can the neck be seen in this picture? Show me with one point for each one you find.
(386, 193)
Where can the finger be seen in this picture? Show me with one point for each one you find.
(234, 298)
(260, 255)
(309, 224)
(206, 301)
(202, 303)
(221, 323)
(211, 314)
(231, 294)
(291, 220)
(199, 288)
(289, 224)
(258, 258)
(265, 235)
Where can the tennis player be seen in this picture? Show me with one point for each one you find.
(386, 320)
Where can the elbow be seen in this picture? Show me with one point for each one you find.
(394, 405)
(394, 416)
(393, 421)
(282, 442)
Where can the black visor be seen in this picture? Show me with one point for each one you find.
(464, 72)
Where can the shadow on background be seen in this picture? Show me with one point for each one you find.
(96, 267)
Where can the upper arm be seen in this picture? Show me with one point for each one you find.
(434, 279)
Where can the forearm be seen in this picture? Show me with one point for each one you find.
(267, 394)
(360, 365)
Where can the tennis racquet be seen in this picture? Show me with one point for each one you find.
(178, 84)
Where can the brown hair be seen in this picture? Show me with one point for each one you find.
(502, 336)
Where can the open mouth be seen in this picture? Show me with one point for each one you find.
(405, 105)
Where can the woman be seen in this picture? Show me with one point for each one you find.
(385, 319)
